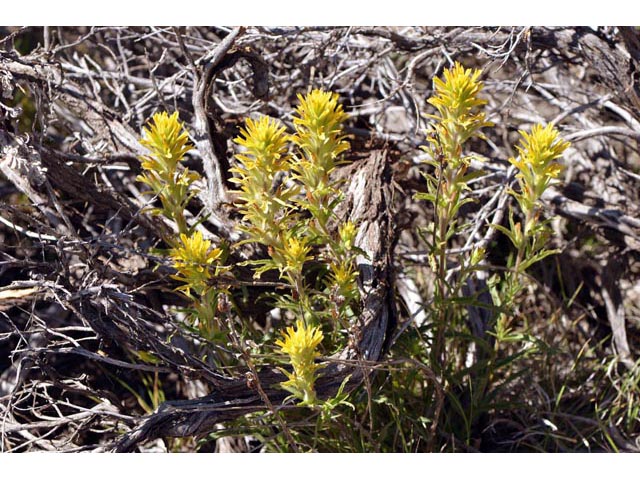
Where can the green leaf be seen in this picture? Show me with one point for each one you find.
(425, 196)
(536, 258)
(508, 233)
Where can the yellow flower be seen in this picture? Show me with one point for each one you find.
(319, 129)
(457, 95)
(535, 163)
(459, 107)
(265, 142)
(539, 148)
(265, 154)
(320, 112)
(192, 260)
(296, 252)
(301, 344)
(347, 232)
(344, 276)
(168, 142)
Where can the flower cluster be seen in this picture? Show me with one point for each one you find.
(320, 139)
(460, 115)
(193, 258)
(301, 344)
(295, 254)
(459, 118)
(288, 198)
(272, 212)
(318, 123)
(537, 168)
(167, 142)
(264, 208)
(536, 163)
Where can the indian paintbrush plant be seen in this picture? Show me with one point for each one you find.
(301, 345)
(167, 142)
(288, 200)
(197, 262)
(460, 118)
(213, 288)
(537, 169)
(194, 258)
(321, 141)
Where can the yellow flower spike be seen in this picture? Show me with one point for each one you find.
(459, 108)
(344, 277)
(167, 140)
(347, 232)
(320, 112)
(265, 153)
(318, 126)
(535, 163)
(300, 344)
(540, 147)
(457, 95)
(265, 142)
(296, 252)
(192, 260)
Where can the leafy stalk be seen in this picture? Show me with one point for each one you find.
(167, 142)
(193, 257)
(459, 118)
(288, 199)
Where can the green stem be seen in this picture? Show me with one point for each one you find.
(522, 249)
